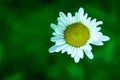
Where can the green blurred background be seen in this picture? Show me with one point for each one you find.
(25, 39)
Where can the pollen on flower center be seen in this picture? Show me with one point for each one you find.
(76, 34)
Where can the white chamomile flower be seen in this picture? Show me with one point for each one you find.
(74, 34)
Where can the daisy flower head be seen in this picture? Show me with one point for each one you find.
(75, 34)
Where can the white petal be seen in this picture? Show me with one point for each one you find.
(89, 19)
(81, 12)
(63, 21)
(69, 18)
(58, 31)
(98, 28)
(104, 38)
(60, 42)
(57, 48)
(76, 18)
(62, 15)
(74, 52)
(85, 16)
(64, 46)
(95, 35)
(57, 35)
(87, 47)
(63, 18)
(98, 43)
(61, 25)
(79, 15)
(66, 49)
(80, 53)
(69, 15)
(89, 54)
(53, 26)
(54, 39)
(99, 22)
(95, 24)
(70, 50)
(76, 58)
(87, 22)
(93, 21)
(60, 28)
(53, 48)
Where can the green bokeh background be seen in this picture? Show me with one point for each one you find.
(25, 39)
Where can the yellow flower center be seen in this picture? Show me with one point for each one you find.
(76, 34)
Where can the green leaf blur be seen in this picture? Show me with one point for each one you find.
(25, 39)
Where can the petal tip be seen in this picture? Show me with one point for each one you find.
(81, 9)
(53, 48)
(89, 54)
(53, 26)
(76, 60)
(108, 38)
